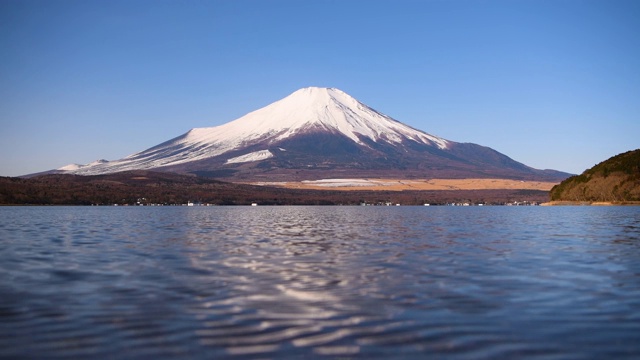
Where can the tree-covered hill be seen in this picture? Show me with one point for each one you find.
(614, 180)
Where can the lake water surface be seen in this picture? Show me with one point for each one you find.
(320, 282)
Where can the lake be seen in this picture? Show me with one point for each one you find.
(320, 282)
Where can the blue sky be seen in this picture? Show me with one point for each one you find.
(553, 84)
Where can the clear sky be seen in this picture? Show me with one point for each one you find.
(551, 83)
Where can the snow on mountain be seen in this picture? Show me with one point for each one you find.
(305, 110)
(73, 167)
(254, 156)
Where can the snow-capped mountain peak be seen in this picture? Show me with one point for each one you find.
(311, 109)
(315, 133)
(308, 108)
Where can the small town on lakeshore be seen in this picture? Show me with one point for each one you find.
(144, 202)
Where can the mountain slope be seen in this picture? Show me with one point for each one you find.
(614, 180)
(315, 133)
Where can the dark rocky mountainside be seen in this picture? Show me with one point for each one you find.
(614, 180)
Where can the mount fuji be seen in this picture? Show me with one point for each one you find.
(317, 133)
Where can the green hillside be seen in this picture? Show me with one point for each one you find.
(614, 180)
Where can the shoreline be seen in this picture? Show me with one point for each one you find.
(591, 203)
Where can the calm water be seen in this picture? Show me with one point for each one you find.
(315, 282)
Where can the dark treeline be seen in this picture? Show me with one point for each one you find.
(146, 188)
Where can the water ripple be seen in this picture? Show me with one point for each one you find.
(317, 282)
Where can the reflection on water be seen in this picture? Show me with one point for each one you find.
(354, 282)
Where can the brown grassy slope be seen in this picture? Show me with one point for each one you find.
(614, 180)
(416, 185)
